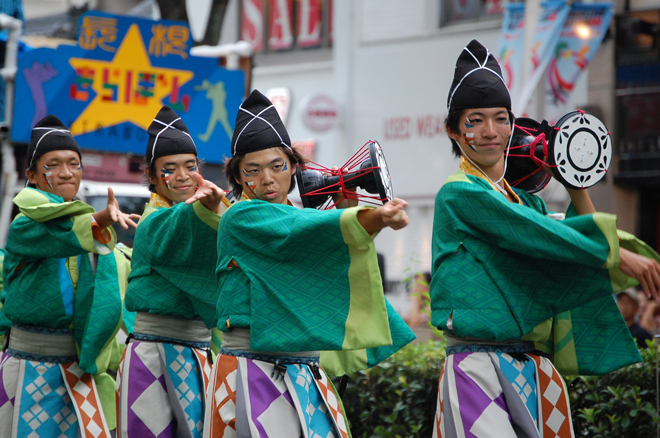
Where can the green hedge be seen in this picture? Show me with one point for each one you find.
(398, 397)
(620, 404)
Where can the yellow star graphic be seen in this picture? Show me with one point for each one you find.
(117, 86)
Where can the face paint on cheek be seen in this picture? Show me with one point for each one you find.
(48, 176)
(165, 176)
(469, 139)
(245, 173)
(468, 124)
(194, 169)
(284, 167)
(507, 123)
(250, 186)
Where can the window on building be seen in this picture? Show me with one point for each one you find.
(638, 97)
(464, 11)
(459, 11)
(286, 25)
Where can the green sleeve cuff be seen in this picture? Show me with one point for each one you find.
(82, 227)
(607, 225)
(41, 207)
(353, 232)
(207, 216)
(367, 322)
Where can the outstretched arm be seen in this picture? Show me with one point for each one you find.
(643, 269)
(392, 215)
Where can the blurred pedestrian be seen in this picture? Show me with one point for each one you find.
(648, 313)
(628, 303)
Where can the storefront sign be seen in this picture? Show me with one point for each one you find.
(110, 86)
(320, 112)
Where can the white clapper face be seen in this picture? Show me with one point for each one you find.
(581, 150)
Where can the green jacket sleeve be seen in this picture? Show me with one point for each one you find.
(183, 235)
(49, 227)
(588, 240)
(314, 282)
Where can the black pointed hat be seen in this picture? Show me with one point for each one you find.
(258, 126)
(478, 81)
(168, 135)
(50, 134)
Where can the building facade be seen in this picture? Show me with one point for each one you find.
(388, 66)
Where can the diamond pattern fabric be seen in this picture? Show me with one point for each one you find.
(302, 277)
(161, 390)
(480, 393)
(501, 269)
(51, 230)
(52, 400)
(247, 399)
(173, 272)
(522, 376)
(51, 283)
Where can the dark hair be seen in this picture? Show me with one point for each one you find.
(233, 170)
(151, 168)
(452, 123)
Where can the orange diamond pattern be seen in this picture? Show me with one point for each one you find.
(223, 398)
(332, 402)
(205, 366)
(554, 405)
(82, 390)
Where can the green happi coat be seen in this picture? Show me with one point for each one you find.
(49, 281)
(306, 280)
(174, 262)
(505, 271)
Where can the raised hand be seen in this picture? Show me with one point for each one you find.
(393, 214)
(112, 214)
(207, 193)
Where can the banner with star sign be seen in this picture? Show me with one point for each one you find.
(110, 86)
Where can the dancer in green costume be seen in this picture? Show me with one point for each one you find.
(519, 295)
(292, 283)
(63, 290)
(164, 373)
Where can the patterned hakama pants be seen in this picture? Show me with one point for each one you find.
(161, 390)
(494, 395)
(44, 399)
(248, 398)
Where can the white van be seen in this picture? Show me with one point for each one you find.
(131, 198)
